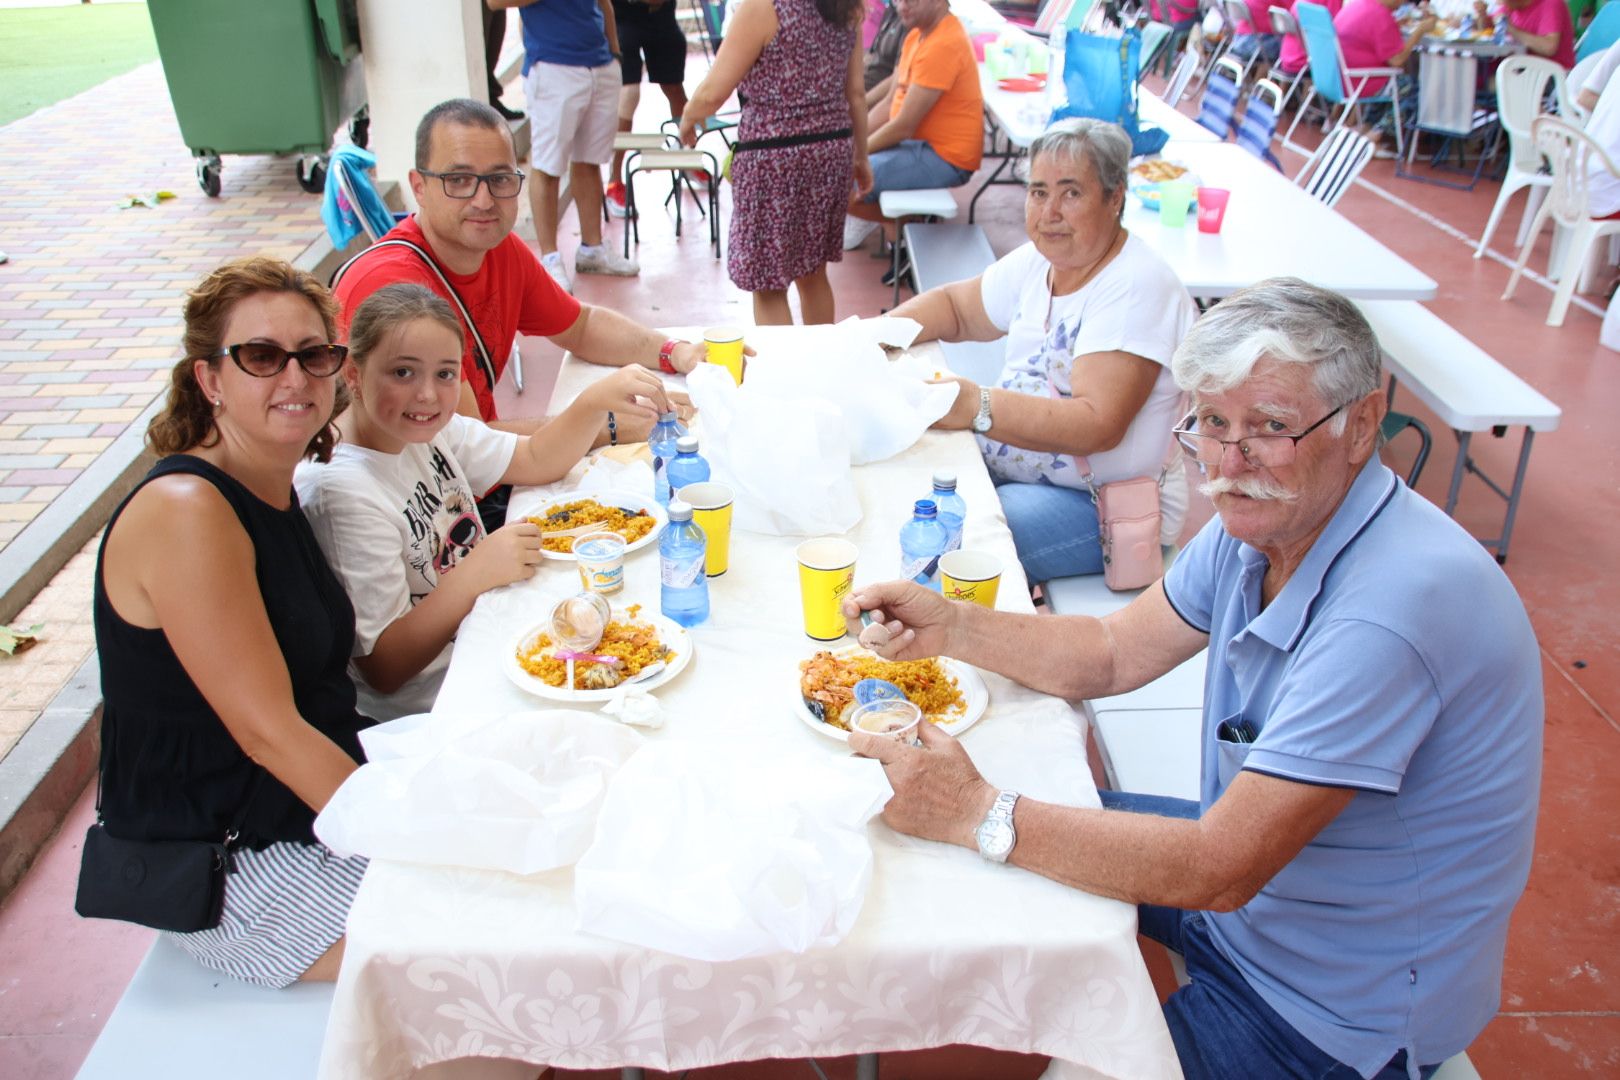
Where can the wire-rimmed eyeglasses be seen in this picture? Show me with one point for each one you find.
(1271, 451)
(464, 185)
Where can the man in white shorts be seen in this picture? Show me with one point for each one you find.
(571, 82)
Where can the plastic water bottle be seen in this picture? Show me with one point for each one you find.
(952, 508)
(687, 467)
(662, 443)
(684, 595)
(922, 542)
(1057, 94)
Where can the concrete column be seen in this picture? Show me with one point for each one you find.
(417, 53)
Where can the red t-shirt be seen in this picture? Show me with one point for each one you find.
(510, 292)
(1369, 36)
(1549, 17)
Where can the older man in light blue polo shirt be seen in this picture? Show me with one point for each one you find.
(1372, 725)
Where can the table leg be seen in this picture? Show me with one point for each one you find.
(632, 1072)
(991, 179)
(866, 1067)
(1513, 498)
(1463, 439)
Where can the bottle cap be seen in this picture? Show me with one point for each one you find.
(686, 444)
(926, 508)
(945, 479)
(668, 417)
(680, 511)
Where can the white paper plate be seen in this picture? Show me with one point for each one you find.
(672, 634)
(975, 697)
(625, 499)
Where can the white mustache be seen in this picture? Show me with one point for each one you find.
(1255, 487)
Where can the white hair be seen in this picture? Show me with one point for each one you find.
(1286, 321)
(1105, 145)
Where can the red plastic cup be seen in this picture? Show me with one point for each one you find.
(1212, 208)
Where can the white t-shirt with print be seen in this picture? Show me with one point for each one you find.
(392, 525)
(1135, 304)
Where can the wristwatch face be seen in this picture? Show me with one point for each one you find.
(995, 839)
(981, 420)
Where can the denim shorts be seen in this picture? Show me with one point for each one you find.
(912, 165)
(1220, 1025)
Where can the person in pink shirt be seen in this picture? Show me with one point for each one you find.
(1370, 37)
(1292, 58)
(1542, 26)
(1254, 34)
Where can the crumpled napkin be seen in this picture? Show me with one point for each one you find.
(632, 704)
(705, 853)
(518, 792)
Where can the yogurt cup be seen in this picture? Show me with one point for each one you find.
(601, 561)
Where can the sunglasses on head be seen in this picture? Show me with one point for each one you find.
(262, 360)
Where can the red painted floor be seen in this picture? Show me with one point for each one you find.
(59, 975)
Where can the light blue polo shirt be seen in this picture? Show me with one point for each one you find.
(1399, 661)
(567, 32)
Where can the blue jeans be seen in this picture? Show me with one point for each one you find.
(912, 165)
(1220, 1026)
(1054, 529)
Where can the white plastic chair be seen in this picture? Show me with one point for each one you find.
(1186, 67)
(1335, 165)
(1521, 88)
(1571, 152)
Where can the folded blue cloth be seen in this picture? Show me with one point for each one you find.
(344, 221)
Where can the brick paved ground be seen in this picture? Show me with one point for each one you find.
(90, 301)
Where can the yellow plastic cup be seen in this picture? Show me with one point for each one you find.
(726, 349)
(711, 509)
(974, 576)
(826, 574)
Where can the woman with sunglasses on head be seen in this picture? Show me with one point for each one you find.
(393, 508)
(224, 635)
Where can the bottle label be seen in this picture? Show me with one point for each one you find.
(918, 569)
(682, 573)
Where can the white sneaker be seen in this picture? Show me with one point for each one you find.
(856, 230)
(554, 266)
(602, 259)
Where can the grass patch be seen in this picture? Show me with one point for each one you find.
(54, 53)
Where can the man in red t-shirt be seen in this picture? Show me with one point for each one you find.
(468, 232)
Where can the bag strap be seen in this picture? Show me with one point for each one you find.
(485, 364)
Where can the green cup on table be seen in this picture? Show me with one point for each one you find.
(1175, 196)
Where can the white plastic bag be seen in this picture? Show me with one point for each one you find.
(713, 855)
(518, 793)
(787, 460)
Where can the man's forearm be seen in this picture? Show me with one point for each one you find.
(1068, 656)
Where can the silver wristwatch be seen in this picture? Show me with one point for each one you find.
(981, 422)
(996, 834)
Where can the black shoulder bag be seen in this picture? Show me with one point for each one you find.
(165, 884)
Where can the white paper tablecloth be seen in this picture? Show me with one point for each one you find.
(444, 963)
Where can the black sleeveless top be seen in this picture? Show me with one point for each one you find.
(170, 770)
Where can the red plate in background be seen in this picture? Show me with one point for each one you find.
(1026, 85)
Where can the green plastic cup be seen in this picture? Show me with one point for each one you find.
(995, 58)
(1174, 198)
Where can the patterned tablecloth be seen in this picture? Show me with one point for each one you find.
(447, 963)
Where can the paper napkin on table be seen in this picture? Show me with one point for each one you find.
(712, 855)
(519, 792)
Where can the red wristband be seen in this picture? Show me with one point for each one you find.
(666, 352)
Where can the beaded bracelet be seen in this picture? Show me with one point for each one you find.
(613, 431)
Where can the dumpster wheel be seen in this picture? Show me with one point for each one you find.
(208, 176)
(311, 174)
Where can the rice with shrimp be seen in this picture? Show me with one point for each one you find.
(829, 678)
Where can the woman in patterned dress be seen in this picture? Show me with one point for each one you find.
(801, 146)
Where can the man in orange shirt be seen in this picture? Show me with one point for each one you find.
(926, 127)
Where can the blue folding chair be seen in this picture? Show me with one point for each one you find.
(1603, 31)
(1259, 124)
(1219, 102)
(1339, 86)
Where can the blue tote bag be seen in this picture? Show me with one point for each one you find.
(1099, 77)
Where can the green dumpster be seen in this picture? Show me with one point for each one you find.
(262, 77)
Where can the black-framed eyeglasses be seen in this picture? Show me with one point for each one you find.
(464, 185)
(263, 360)
(1267, 451)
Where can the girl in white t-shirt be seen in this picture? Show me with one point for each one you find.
(394, 509)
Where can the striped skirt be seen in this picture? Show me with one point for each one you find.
(284, 907)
